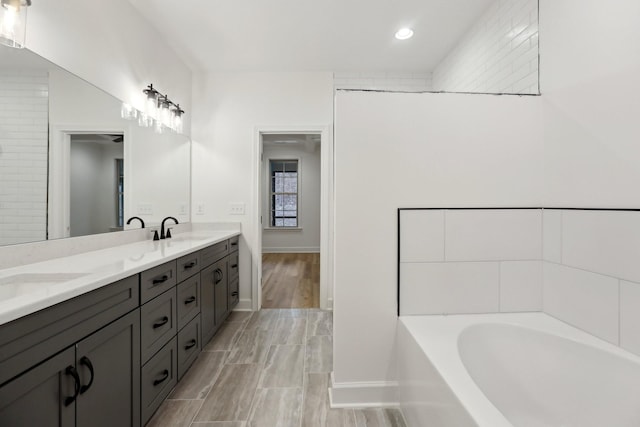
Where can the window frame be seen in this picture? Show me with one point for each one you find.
(272, 193)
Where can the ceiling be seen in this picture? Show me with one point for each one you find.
(305, 35)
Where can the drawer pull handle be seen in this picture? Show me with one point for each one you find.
(190, 344)
(86, 362)
(234, 266)
(234, 243)
(190, 265)
(160, 280)
(234, 294)
(160, 323)
(76, 378)
(165, 375)
(189, 300)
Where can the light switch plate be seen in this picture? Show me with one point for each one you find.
(182, 209)
(236, 208)
(200, 209)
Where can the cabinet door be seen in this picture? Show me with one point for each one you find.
(108, 363)
(207, 304)
(43, 396)
(221, 291)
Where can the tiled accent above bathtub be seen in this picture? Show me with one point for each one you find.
(470, 261)
(592, 272)
(580, 266)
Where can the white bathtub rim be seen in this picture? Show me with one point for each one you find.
(437, 336)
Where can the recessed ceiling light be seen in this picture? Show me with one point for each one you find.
(404, 33)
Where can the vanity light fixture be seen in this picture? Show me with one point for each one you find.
(127, 112)
(404, 33)
(159, 112)
(13, 22)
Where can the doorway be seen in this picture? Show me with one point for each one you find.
(290, 204)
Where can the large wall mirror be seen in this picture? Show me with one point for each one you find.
(71, 166)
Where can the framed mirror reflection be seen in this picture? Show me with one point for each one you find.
(71, 166)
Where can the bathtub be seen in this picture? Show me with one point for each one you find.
(522, 370)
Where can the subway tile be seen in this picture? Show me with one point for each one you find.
(488, 235)
(457, 287)
(520, 286)
(586, 300)
(421, 235)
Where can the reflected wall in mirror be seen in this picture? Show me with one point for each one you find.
(53, 184)
(496, 54)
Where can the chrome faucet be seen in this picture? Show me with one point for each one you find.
(162, 233)
(138, 218)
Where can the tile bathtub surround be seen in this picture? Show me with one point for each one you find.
(470, 261)
(285, 385)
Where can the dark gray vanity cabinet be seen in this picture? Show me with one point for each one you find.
(94, 383)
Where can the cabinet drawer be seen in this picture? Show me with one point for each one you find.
(234, 270)
(156, 280)
(214, 252)
(157, 323)
(158, 377)
(188, 300)
(234, 293)
(188, 346)
(27, 341)
(188, 265)
(234, 244)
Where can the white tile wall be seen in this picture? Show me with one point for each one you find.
(586, 271)
(552, 235)
(630, 316)
(23, 156)
(492, 235)
(605, 242)
(499, 54)
(586, 300)
(422, 235)
(520, 286)
(470, 261)
(384, 81)
(437, 288)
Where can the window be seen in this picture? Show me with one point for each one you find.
(284, 193)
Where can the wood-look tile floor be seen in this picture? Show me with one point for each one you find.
(291, 280)
(266, 369)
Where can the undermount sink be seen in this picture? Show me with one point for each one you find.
(21, 284)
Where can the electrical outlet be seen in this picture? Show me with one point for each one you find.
(236, 208)
(145, 209)
(182, 209)
(200, 209)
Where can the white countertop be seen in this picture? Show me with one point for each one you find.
(32, 287)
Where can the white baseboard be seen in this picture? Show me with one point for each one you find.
(370, 394)
(291, 250)
(244, 305)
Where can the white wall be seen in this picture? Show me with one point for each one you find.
(109, 44)
(499, 54)
(306, 238)
(228, 109)
(441, 150)
(590, 62)
(23, 156)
